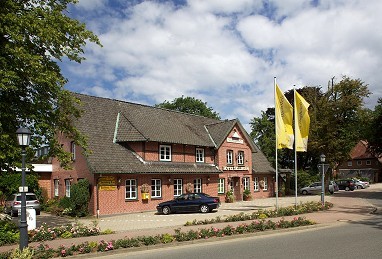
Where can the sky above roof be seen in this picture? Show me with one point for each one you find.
(225, 52)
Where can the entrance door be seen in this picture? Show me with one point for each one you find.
(235, 187)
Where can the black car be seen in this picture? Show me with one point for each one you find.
(346, 184)
(189, 202)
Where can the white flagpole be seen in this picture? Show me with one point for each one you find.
(295, 146)
(277, 175)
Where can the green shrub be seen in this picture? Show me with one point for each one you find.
(9, 232)
(79, 196)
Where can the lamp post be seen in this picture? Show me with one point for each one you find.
(23, 137)
(322, 160)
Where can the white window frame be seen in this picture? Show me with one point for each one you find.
(229, 157)
(256, 183)
(73, 150)
(198, 185)
(131, 189)
(56, 184)
(165, 153)
(199, 155)
(67, 187)
(246, 183)
(240, 157)
(221, 185)
(178, 187)
(265, 188)
(156, 188)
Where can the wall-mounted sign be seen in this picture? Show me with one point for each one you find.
(235, 140)
(235, 168)
(107, 183)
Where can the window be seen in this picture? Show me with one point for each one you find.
(265, 184)
(359, 162)
(229, 157)
(368, 162)
(156, 188)
(256, 184)
(350, 163)
(198, 185)
(56, 186)
(246, 183)
(165, 153)
(131, 189)
(199, 155)
(240, 158)
(178, 187)
(67, 187)
(221, 185)
(73, 150)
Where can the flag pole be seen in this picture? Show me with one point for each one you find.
(277, 176)
(295, 146)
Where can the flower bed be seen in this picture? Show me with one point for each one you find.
(44, 251)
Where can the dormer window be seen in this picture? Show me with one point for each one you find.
(165, 153)
(199, 153)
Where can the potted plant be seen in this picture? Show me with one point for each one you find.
(247, 195)
(145, 190)
(189, 188)
(229, 198)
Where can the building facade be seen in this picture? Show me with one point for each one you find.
(140, 156)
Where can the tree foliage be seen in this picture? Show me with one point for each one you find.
(190, 105)
(373, 135)
(335, 116)
(34, 36)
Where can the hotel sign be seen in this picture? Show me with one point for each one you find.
(235, 140)
(235, 168)
(107, 183)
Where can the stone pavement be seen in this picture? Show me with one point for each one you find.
(348, 206)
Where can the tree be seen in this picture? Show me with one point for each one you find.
(373, 134)
(190, 105)
(34, 36)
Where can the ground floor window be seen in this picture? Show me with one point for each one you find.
(131, 189)
(265, 183)
(221, 184)
(198, 185)
(178, 187)
(246, 183)
(256, 183)
(156, 188)
(56, 186)
(67, 187)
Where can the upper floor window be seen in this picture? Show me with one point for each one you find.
(368, 162)
(156, 188)
(131, 189)
(350, 163)
(359, 162)
(165, 152)
(240, 158)
(199, 155)
(73, 150)
(229, 157)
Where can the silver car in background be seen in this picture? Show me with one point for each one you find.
(13, 203)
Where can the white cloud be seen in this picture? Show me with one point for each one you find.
(227, 52)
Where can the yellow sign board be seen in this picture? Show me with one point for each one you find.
(107, 183)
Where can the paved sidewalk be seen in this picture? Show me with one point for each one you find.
(346, 208)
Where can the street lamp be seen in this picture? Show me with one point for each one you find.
(23, 137)
(322, 160)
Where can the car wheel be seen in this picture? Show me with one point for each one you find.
(166, 210)
(204, 208)
(359, 187)
(347, 188)
(304, 192)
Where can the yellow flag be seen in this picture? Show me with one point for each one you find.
(302, 122)
(284, 121)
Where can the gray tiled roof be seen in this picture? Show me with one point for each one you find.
(111, 124)
(260, 163)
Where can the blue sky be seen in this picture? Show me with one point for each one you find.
(225, 52)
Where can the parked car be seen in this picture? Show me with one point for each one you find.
(346, 184)
(315, 188)
(13, 203)
(361, 184)
(189, 202)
